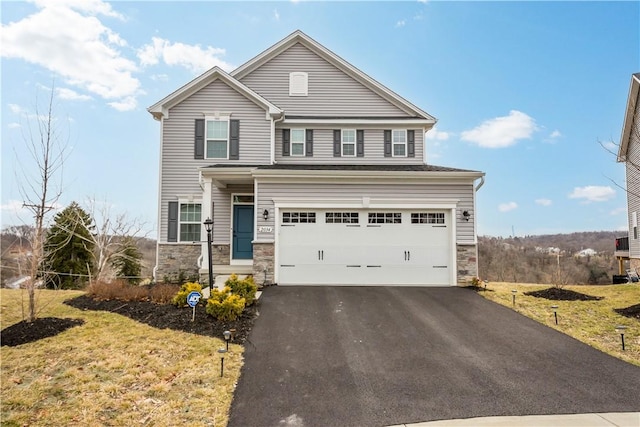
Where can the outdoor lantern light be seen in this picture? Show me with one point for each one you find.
(265, 214)
(555, 312)
(227, 337)
(485, 284)
(466, 215)
(222, 351)
(620, 329)
(208, 225)
(514, 292)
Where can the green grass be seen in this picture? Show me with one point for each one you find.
(592, 322)
(112, 371)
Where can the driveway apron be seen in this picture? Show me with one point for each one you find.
(375, 356)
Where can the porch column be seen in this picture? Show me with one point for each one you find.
(206, 213)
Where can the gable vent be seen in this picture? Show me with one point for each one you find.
(298, 83)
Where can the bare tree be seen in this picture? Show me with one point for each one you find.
(41, 182)
(111, 228)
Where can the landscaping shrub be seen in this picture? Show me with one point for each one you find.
(245, 288)
(225, 306)
(162, 293)
(180, 299)
(118, 289)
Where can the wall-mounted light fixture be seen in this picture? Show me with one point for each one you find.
(265, 214)
(466, 215)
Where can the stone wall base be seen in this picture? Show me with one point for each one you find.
(467, 257)
(263, 263)
(177, 262)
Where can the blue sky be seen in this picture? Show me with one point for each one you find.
(523, 91)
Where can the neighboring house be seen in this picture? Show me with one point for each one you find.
(629, 153)
(313, 173)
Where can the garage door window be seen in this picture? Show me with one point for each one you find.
(427, 218)
(341, 218)
(385, 218)
(298, 217)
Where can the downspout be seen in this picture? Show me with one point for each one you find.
(475, 223)
(480, 184)
(273, 138)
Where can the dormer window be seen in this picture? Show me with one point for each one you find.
(298, 83)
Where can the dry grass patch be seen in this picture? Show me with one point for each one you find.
(592, 322)
(112, 371)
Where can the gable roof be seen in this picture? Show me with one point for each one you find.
(632, 102)
(300, 37)
(161, 108)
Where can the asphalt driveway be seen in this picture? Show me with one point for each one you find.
(357, 356)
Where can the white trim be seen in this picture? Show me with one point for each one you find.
(379, 122)
(159, 237)
(366, 203)
(190, 201)
(354, 143)
(217, 117)
(233, 204)
(240, 261)
(304, 142)
(405, 144)
(298, 83)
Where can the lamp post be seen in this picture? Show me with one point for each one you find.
(620, 329)
(208, 225)
(555, 312)
(222, 351)
(514, 292)
(227, 336)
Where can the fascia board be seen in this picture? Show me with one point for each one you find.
(161, 108)
(275, 175)
(346, 67)
(632, 104)
(426, 123)
(365, 203)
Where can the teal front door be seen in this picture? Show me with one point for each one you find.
(242, 231)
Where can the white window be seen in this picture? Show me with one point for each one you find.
(217, 138)
(298, 217)
(341, 217)
(297, 142)
(385, 218)
(427, 218)
(190, 222)
(399, 141)
(348, 142)
(298, 83)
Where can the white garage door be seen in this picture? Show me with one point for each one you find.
(364, 247)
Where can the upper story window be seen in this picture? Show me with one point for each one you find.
(348, 142)
(298, 83)
(190, 222)
(217, 138)
(297, 142)
(399, 141)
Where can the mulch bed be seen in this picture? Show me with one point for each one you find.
(162, 316)
(632, 312)
(24, 332)
(560, 294)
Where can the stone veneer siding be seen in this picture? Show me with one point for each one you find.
(263, 263)
(467, 257)
(173, 259)
(221, 255)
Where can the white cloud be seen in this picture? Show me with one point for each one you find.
(618, 211)
(555, 134)
(72, 95)
(435, 135)
(593, 193)
(506, 207)
(76, 45)
(502, 131)
(276, 15)
(160, 78)
(543, 202)
(192, 57)
(15, 108)
(400, 23)
(126, 104)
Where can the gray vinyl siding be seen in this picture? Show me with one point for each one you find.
(221, 199)
(373, 149)
(331, 91)
(267, 192)
(633, 181)
(179, 168)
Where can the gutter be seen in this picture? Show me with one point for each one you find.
(480, 184)
(273, 137)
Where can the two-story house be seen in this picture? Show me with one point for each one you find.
(313, 174)
(629, 153)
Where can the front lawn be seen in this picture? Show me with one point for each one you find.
(592, 322)
(112, 370)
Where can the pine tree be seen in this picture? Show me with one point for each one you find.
(127, 261)
(68, 258)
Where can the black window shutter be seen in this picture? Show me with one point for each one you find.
(309, 143)
(411, 143)
(286, 142)
(337, 149)
(360, 143)
(199, 140)
(172, 234)
(234, 140)
(387, 143)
